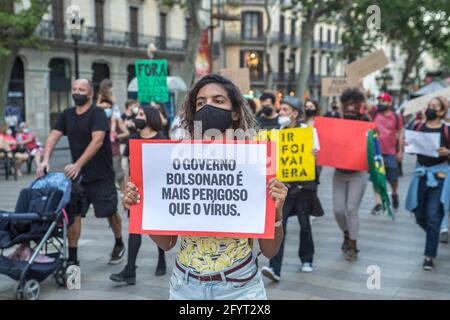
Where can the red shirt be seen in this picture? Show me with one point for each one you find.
(25, 136)
(388, 127)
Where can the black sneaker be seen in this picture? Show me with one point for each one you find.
(443, 237)
(428, 264)
(127, 275)
(117, 255)
(395, 203)
(160, 267)
(377, 210)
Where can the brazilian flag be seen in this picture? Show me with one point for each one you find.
(377, 170)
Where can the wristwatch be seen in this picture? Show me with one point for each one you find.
(278, 223)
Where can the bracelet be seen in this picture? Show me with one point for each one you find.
(278, 223)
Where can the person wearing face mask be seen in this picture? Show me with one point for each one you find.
(429, 191)
(18, 150)
(148, 124)
(311, 111)
(268, 118)
(301, 200)
(32, 145)
(389, 126)
(120, 133)
(230, 271)
(349, 185)
(334, 112)
(131, 110)
(92, 172)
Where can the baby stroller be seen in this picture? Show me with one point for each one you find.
(39, 218)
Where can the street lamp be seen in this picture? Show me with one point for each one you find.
(76, 33)
(151, 49)
(384, 80)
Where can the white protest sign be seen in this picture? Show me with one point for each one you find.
(424, 143)
(200, 189)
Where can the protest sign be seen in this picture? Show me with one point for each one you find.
(202, 188)
(240, 77)
(334, 86)
(343, 143)
(366, 65)
(419, 104)
(152, 81)
(295, 161)
(424, 143)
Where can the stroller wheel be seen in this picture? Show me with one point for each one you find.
(60, 276)
(30, 290)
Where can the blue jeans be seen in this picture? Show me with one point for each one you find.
(184, 287)
(429, 214)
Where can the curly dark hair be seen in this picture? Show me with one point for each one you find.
(246, 119)
(352, 94)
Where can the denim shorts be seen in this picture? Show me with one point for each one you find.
(184, 287)
(391, 166)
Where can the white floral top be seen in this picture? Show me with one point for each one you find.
(212, 254)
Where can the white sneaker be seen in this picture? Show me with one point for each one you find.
(269, 273)
(307, 267)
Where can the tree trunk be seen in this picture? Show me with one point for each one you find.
(6, 65)
(193, 41)
(268, 47)
(307, 36)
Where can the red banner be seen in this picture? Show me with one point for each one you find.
(343, 143)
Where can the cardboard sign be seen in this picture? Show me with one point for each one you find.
(152, 80)
(295, 161)
(343, 143)
(240, 77)
(420, 103)
(202, 188)
(334, 86)
(366, 65)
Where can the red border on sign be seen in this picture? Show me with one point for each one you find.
(136, 211)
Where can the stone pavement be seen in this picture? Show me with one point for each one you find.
(396, 247)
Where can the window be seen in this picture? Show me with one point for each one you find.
(134, 13)
(281, 64)
(162, 30)
(282, 27)
(320, 35)
(251, 25)
(329, 36)
(58, 18)
(293, 24)
(99, 19)
(312, 66)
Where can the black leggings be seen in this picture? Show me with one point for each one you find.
(134, 243)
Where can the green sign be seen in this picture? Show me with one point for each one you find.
(152, 80)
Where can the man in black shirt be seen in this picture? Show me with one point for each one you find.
(87, 129)
(268, 119)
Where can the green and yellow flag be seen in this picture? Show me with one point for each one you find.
(377, 170)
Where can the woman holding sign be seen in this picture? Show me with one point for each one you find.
(349, 185)
(148, 123)
(217, 267)
(429, 192)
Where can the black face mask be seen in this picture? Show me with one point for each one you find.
(382, 107)
(310, 112)
(267, 110)
(80, 99)
(214, 118)
(139, 123)
(351, 116)
(431, 114)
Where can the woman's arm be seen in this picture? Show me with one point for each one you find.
(125, 133)
(270, 247)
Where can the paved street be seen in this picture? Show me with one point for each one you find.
(396, 247)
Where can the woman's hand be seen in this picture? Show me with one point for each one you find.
(278, 192)
(314, 152)
(131, 196)
(443, 152)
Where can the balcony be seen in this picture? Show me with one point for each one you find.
(315, 79)
(324, 45)
(110, 38)
(275, 37)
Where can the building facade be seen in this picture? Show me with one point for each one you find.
(114, 34)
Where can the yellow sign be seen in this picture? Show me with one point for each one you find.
(295, 160)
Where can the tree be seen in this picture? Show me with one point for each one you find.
(417, 26)
(312, 13)
(268, 4)
(16, 32)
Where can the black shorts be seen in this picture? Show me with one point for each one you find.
(102, 194)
